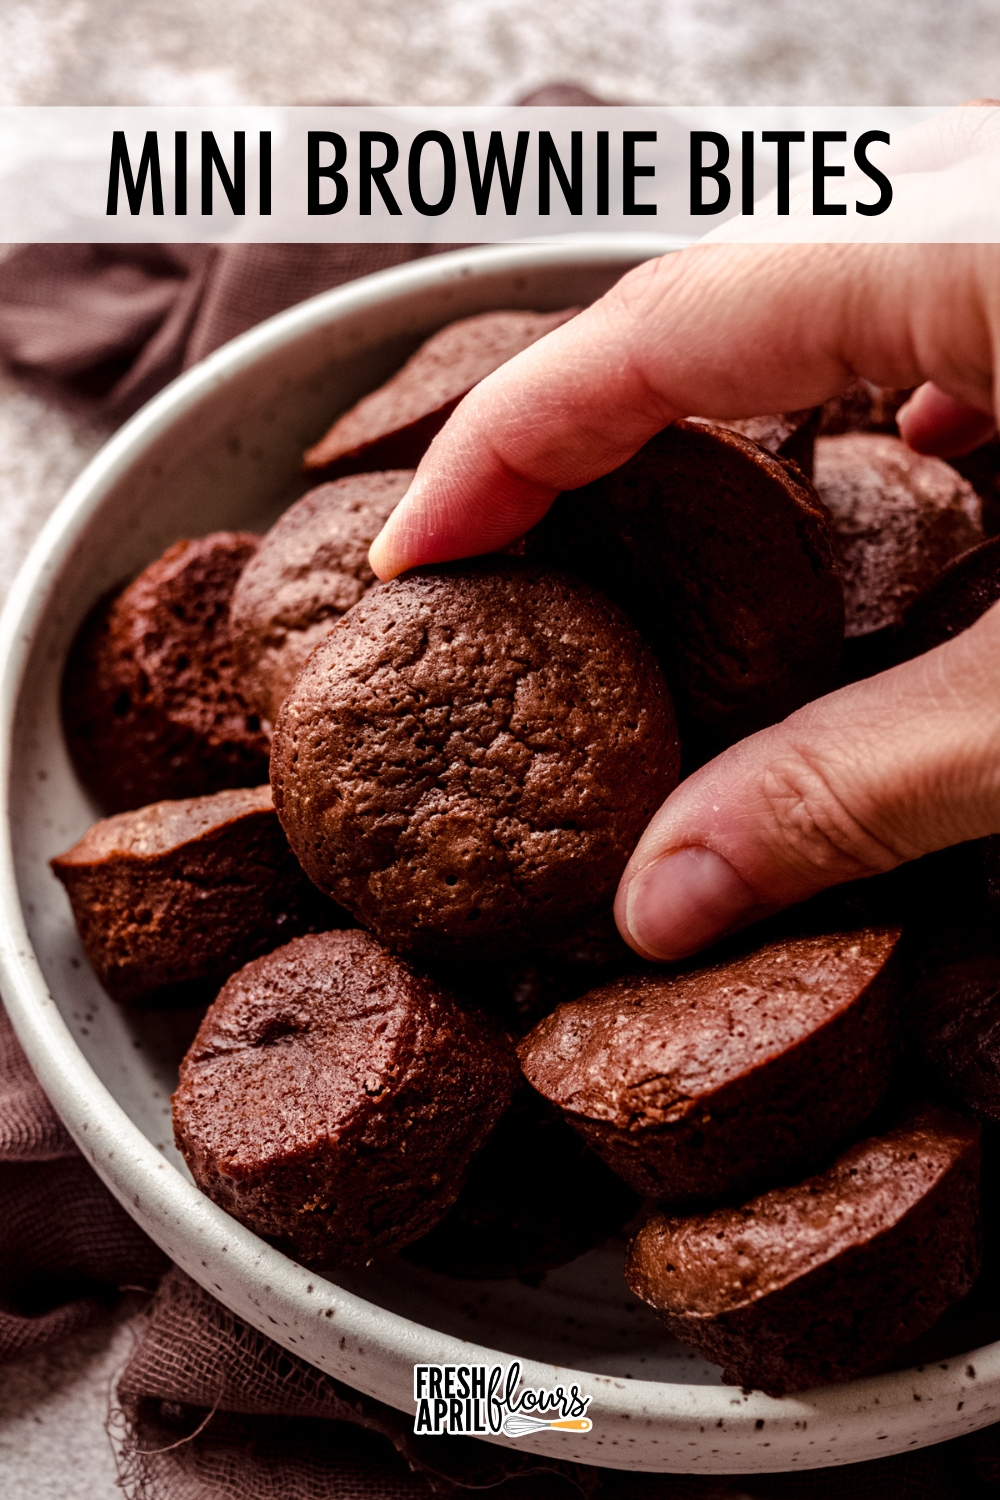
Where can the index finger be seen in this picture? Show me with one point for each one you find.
(717, 331)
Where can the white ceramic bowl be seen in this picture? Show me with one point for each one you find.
(220, 448)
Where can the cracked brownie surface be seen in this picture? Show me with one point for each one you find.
(170, 899)
(816, 1281)
(310, 568)
(899, 517)
(693, 1085)
(152, 701)
(470, 756)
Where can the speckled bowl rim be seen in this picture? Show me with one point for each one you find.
(643, 1425)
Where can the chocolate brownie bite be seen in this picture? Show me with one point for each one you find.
(152, 702)
(469, 758)
(334, 1097)
(310, 568)
(171, 899)
(536, 1197)
(981, 468)
(964, 590)
(697, 1085)
(899, 518)
(955, 1014)
(392, 427)
(723, 557)
(817, 1282)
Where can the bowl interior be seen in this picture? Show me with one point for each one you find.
(222, 449)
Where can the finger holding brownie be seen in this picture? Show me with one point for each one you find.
(865, 778)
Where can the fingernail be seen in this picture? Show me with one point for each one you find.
(385, 557)
(685, 901)
(380, 559)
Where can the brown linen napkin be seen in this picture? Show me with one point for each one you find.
(104, 327)
(66, 1247)
(196, 1360)
(209, 1409)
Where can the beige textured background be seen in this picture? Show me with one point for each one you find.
(52, 1441)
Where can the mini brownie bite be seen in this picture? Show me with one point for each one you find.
(535, 1198)
(696, 1085)
(152, 701)
(310, 568)
(183, 893)
(816, 1282)
(955, 1012)
(898, 516)
(334, 1097)
(392, 427)
(468, 759)
(789, 434)
(963, 591)
(981, 468)
(723, 557)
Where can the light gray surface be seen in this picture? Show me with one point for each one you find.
(436, 51)
(485, 51)
(54, 1406)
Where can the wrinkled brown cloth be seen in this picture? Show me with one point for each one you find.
(207, 1408)
(105, 327)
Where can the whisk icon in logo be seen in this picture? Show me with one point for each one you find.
(486, 1399)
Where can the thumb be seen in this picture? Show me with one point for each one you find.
(853, 784)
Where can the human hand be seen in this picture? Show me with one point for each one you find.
(856, 782)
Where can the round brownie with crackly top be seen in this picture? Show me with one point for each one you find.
(468, 759)
(898, 517)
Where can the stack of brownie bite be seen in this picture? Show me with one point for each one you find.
(377, 830)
